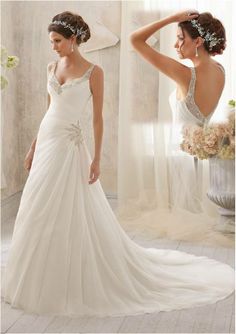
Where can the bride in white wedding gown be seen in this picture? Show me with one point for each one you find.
(69, 255)
(183, 212)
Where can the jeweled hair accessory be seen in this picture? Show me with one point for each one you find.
(76, 31)
(209, 37)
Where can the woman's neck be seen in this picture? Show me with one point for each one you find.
(73, 58)
(202, 59)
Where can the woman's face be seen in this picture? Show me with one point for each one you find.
(185, 45)
(60, 44)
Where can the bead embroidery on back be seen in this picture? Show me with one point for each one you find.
(190, 102)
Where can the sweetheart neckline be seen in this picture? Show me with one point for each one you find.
(71, 80)
(68, 81)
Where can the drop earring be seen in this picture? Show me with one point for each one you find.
(72, 47)
(196, 53)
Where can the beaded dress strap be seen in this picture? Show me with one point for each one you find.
(89, 71)
(189, 100)
(50, 70)
(192, 83)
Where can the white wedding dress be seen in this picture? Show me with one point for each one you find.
(69, 255)
(186, 171)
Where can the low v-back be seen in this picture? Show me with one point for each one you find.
(189, 99)
(186, 110)
(186, 172)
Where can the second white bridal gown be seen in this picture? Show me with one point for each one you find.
(69, 255)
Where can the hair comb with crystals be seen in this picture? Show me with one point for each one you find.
(75, 31)
(209, 37)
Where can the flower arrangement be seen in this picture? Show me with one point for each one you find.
(214, 140)
(7, 62)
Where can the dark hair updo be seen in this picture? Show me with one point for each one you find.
(73, 20)
(211, 24)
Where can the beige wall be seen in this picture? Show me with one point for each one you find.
(24, 33)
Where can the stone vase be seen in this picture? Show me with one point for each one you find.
(222, 189)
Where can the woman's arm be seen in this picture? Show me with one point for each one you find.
(170, 67)
(49, 100)
(30, 154)
(49, 69)
(97, 89)
(32, 146)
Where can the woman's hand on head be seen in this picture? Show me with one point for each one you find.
(185, 15)
(94, 171)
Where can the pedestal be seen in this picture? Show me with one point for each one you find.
(222, 191)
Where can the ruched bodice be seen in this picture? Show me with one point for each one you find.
(69, 99)
(68, 103)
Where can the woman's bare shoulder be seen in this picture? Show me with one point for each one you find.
(218, 66)
(97, 70)
(97, 73)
